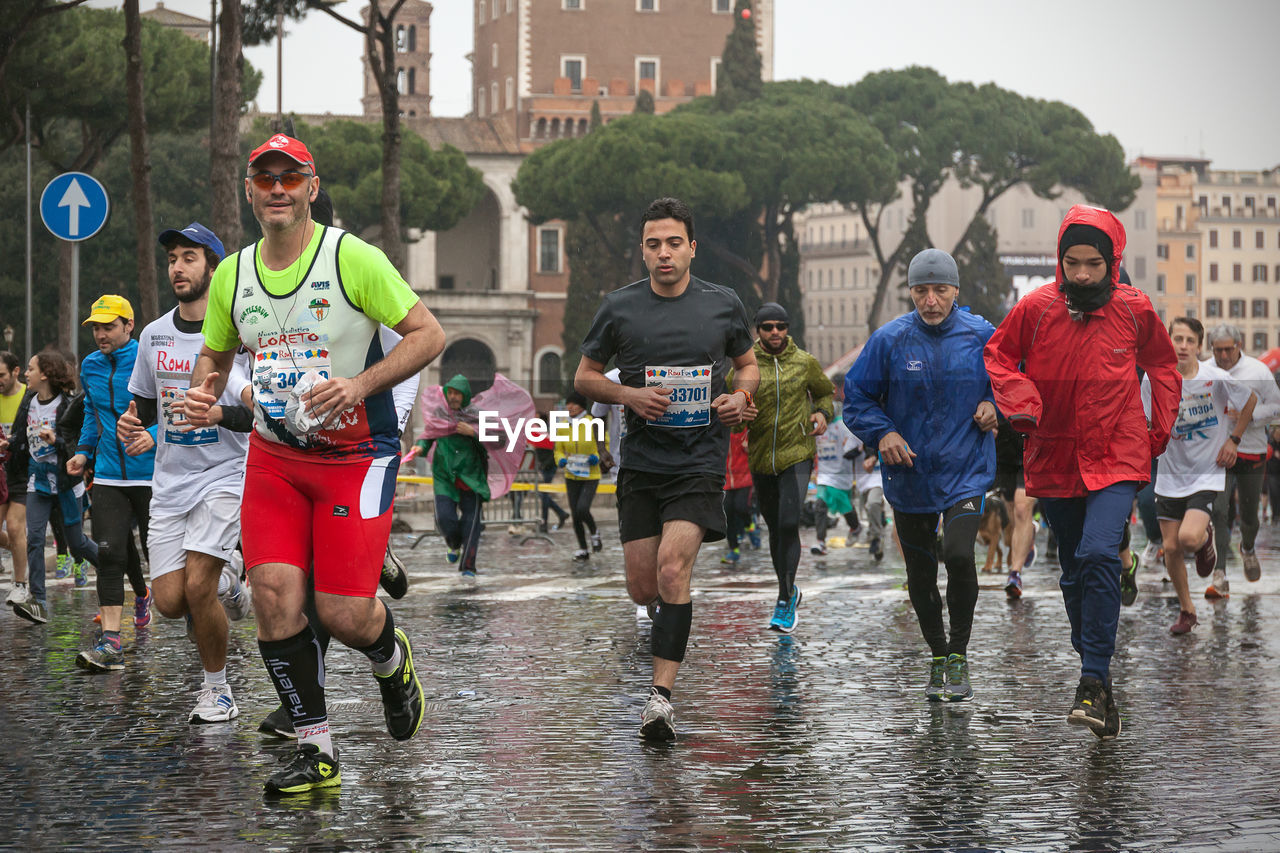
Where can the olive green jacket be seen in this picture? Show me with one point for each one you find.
(792, 387)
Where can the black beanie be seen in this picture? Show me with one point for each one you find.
(772, 312)
(1079, 234)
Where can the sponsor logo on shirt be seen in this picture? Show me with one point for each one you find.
(319, 307)
(341, 511)
(171, 363)
(253, 314)
(319, 285)
(915, 365)
(161, 340)
(247, 292)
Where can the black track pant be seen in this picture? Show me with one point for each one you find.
(115, 510)
(781, 498)
(737, 513)
(919, 535)
(581, 493)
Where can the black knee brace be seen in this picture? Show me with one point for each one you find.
(670, 634)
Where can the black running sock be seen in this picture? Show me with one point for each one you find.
(669, 636)
(296, 668)
(664, 692)
(383, 649)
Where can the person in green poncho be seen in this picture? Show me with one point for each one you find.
(460, 472)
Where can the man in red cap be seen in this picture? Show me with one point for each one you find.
(307, 301)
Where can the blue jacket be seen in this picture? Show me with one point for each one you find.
(105, 380)
(925, 382)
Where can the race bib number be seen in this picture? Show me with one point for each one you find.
(172, 392)
(577, 465)
(276, 371)
(690, 395)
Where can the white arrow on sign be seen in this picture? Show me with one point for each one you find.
(73, 199)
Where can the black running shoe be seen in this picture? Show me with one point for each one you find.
(1129, 582)
(307, 770)
(278, 723)
(394, 579)
(402, 701)
(1090, 707)
(1111, 730)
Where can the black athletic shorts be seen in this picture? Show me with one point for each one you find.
(1174, 509)
(1007, 481)
(647, 500)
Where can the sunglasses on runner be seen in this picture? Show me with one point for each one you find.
(769, 327)
(289, 180)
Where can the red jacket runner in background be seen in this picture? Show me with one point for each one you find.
(737, 473)
(1072, 386)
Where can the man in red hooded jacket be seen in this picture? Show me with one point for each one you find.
(1063, 367)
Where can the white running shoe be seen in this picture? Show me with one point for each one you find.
(237, 600)
(658, 720)
(1150, 556)
(214, 705)
(18, 595)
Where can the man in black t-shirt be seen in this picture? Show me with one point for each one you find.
(673, 338)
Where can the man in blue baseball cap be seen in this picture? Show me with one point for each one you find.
(196, 487)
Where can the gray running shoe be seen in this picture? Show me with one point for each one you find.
(658, 720)
(32, 611)
(214, 705)
(1252, 568)
(936, 689)
(958, 687)
(103, 657)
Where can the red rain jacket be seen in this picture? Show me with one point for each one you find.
(737, 472)
(1072, 385)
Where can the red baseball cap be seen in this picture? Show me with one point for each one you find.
(286, 145)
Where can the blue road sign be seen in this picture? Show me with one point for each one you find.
(74, 206)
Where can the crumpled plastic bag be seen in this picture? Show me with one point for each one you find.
(297, 419)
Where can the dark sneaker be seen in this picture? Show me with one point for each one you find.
(597, 544)
(394, 578)
(731, 557)
(581, 555)
(658, 719)
(1129, 582)
(958, 687)
(936, 689)
(1090, 707)
(1111, 730)
(278, 723)
(1013, 586)
(1252, 568)
(105, 656)
(402, 702)
(307, 770)
(32, 611)
(1186, 621)
(142, 610)
(877, 550)
(754, 535)
(1206, 557)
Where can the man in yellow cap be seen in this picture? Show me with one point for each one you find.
(121, 476)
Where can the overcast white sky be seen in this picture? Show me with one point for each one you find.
(1170, 77)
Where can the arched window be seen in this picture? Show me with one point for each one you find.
(549, 379)
(400, 81)
(400, 41)
(555, 128)
(541, 132)
(413, 38)
(412, 79)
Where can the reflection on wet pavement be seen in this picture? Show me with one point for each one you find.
(535, 676)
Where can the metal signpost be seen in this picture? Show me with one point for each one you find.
(74, 207)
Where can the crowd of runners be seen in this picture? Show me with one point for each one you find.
(244, 449)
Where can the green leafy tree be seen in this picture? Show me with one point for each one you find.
(596, 119)
(71, 67)
(984, 285)
(644, 103)
(738, 79)
(439, 188)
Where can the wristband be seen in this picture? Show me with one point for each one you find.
(745, 393)
(1234, 438)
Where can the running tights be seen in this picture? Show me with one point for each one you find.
(918, 533)
(781, 498)
(581, 493)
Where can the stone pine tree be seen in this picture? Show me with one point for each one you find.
(140, 166)
(984, 285)
(738, 78)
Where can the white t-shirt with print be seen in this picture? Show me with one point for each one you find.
(1190, 463)
(189, 465)
(833, 469)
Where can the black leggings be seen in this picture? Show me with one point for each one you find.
(115, 509)
(548, 502)
(918, 533)
(737, 513)
(581, 493)
(781, 499)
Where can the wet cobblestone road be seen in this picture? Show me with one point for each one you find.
(535, 677)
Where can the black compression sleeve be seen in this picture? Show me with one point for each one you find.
(236, 419)
(146, 409)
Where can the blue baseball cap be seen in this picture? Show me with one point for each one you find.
(194, 233)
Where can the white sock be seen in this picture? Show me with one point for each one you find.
(217, 678)
(385, 669)
(317, 733)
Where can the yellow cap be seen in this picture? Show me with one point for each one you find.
(109, 307)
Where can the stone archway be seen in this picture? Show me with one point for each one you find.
(473, 359)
